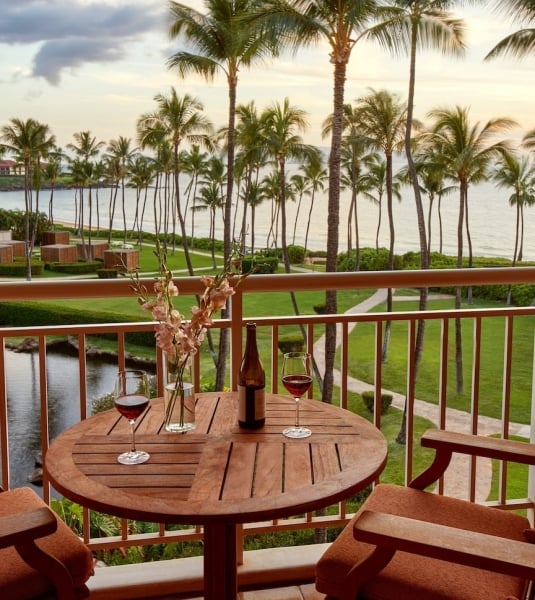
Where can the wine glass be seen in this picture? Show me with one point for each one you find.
(131, 396)
(297, 378)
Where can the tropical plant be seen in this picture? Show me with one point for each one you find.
(281, 124)
(29, 141)
(341, 25)
(466, 152)
(517, 173)
(383, 119)
(522, 42)
(177, 120)
(122, 153)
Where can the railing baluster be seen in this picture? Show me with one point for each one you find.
(313, 324)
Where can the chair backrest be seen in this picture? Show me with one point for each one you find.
(57, 566)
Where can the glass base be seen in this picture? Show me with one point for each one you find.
(178, 428)
(297, 432)
(133, 458)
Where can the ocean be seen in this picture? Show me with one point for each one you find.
(491, 218)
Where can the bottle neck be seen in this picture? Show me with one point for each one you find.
(250, 342)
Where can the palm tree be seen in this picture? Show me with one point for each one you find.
(315, 175)
(421, 23)
(383, 120)
(466, 152)
(280, 126)
(224, 39)
(141, 176)
(341, 24)
(194, 164)
(29, 141)
(86, 148)
(122, 152)
(211, 198)
(522, 42)
(251, 156)
(178, 120)
(51, 172)
(517, 173)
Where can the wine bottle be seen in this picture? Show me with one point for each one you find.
(251, 385)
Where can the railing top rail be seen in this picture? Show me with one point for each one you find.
(97, 288)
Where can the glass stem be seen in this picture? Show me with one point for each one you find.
(133, 430)
(297, 412)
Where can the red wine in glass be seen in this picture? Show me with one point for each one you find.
(131, 407)
(131, 397)
(297, 385)
(297, 379)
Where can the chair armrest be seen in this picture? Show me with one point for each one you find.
(32, 524)
(480, 445)
(470, 548)
(445, 443)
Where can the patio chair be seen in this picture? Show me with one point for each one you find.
(40, 557)
(407, 543)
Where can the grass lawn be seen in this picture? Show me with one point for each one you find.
(361, 351)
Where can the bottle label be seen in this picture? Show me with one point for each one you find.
(251, 404)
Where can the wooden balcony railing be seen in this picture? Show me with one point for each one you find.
(314, 327)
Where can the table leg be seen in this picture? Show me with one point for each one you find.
(220, 566)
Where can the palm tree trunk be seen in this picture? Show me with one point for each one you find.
(458, 295)
(333, 218)
(425, 246)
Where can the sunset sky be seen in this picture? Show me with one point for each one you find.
(97, 64)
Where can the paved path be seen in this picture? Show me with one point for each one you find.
(456, 480)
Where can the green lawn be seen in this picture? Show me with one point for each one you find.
(361, 352)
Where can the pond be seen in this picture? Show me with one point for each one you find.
(24, 424)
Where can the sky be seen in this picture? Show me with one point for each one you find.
(96, 65)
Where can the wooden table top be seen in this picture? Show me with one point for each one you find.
(218, 472)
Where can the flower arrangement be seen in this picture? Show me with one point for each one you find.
(178, 337)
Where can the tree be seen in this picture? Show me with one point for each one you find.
(51, 172)
(223, 40)
(522, 42)
(194, 164)
(466, 152)
(251, 156)
(517, 173)
(315, 175)
(122, 152)
(86, 148)
(383, 119)
(281, 123)
(177, 120)
(421, 23)
(29, 141)
(341, 24)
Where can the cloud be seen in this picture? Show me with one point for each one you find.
(69, 34)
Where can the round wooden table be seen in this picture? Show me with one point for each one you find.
(218, 475)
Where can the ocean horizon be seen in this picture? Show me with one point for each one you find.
(492, 220)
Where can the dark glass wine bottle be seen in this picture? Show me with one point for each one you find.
(251, 385)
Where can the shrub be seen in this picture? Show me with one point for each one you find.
(77, 268)
(17, 268)
(296, 255)
(107, 273)
(260, 264)
(320, 308)
(368, 397)
(291, 343)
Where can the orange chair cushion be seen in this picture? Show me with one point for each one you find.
(412, 577)
(19, 580)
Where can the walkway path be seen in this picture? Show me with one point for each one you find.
(456, 481)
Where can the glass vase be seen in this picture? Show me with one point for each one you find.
(179, 398)
(179, 403)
